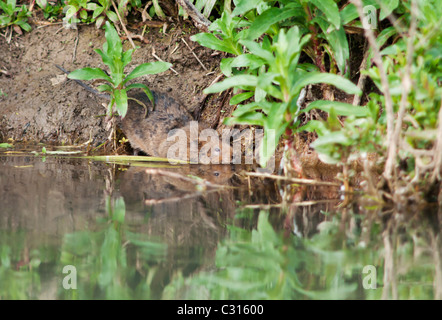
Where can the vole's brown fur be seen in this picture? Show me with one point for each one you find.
(150, 134)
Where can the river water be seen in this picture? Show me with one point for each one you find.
(76, 228)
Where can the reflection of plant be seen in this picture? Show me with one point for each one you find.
(114, 57)
(262, 264)
(19, 275)
(14, 15)
(101, 258)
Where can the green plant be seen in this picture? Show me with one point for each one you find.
(267, 42)
(101, 11)
(275, 79)
(114, 57)
(14, 15)
(78, 10)
(360, 133)
(103, 257)
(50, 12)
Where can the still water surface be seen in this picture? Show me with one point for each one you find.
(117, 231)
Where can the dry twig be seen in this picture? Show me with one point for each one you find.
(123, 25)
(159, 59)
(293, 180)
(196, 57)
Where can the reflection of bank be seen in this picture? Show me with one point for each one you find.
(180, 208)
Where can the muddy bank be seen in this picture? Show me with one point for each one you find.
(37, 105)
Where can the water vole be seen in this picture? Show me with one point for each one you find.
(167, 129)
(164, 128)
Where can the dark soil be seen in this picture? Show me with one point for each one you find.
(38, 104)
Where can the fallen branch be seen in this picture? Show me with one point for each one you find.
(294, 180)
(74, 55)
(283, 205)
(200, 20)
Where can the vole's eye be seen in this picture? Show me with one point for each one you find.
(216, 174)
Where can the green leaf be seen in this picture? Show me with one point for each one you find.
(256, 49)
(340, 108)
(42, 3)
(350, 13)
(91, 6)
(112, 16)
(121, 101)
(107, 60)
(148, 68)
(99, 22)
(25, 26)
(295, 41)
(105, 87)
(314, 126)
(243, 6)
(276, 115)
(252, 118)
(329, 78)
(235, 81)
(271, 16)
(145, 89)
(211, 41)
(241, 97)
(336, 137)
(83, 14)
(265, 82)
(114, 46)
(122, 6)
(127, 57)
(4, 20)
(247, 60)
(331, 11)
(226, 66)
(337, 39)
(70, 12)
(89, 74)
(97, 12)
(387, 7)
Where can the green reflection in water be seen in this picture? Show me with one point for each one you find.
(113, 262)
(262, 264)
(19, 277)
